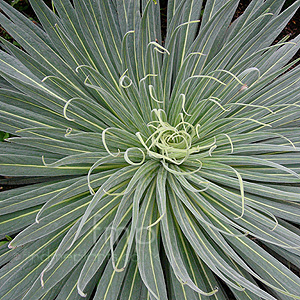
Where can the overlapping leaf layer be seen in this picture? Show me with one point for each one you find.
(159, 168)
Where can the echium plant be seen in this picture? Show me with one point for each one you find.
(158, 168)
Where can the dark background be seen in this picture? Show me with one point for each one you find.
(293, 27)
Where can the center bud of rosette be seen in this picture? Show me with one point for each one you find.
(170, 143)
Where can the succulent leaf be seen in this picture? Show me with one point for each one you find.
(160, 165)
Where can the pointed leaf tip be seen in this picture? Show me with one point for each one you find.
(80, 292)
(10, 246)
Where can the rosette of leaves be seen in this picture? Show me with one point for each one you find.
(158, 168)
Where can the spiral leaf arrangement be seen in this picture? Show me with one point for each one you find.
(150, 167)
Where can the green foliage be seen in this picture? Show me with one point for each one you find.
(3, 136)
(7, 37)
(159, 169)
(5, 242)
(20, 5)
